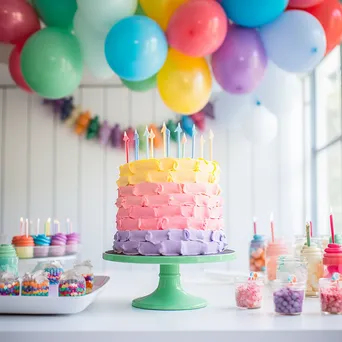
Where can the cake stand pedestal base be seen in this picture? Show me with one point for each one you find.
(169, 294)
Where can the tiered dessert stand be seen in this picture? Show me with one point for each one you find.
(169, 294)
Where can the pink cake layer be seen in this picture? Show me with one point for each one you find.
(160, 206)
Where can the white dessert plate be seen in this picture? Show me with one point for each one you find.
(51, 305)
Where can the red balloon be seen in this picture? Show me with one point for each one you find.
(304, 3)
(197, 28)
(18, 21)
(329, 14)
(15, 68)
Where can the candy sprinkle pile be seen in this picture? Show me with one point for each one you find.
(54, 274)
(331, 300)
(72, 288)
(248, 295)
(32, 288)
(288, 301)
(10, 288)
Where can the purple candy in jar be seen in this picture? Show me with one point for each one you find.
(288, 298)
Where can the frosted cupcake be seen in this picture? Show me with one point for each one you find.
(42, 243)
(23, 246)
(58, 244)
(73, 239)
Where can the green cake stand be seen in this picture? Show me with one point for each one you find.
(169, 295)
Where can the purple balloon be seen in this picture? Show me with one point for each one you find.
(239, 64)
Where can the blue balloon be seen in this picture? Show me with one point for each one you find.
(136, 48)
(295, 42)
(253, 13)
(187, 123)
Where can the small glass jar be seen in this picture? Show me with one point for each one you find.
(298, 244)
(8, 259)
(313, 256)
(273, 251)
(330, 296)
(288, 297)
(257, 253)
(71, 284)
(332, 260)
(288, 265)
(248, 293)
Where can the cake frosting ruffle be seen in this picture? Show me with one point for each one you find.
(169, 242)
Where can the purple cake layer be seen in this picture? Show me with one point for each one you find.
(169, 242)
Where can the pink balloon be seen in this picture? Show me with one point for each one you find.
(304, 3)
(239, 64)
(18, 21)
(15, 68)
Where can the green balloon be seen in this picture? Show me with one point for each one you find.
(51, 63)
(139, 10)
(141, 86)
(57, 13)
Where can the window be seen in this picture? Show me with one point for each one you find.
(327, 142)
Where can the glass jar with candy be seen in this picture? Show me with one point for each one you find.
(331, 294)
(257, 253)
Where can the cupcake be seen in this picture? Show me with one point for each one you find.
(58, 244)
(9, 284)
(8, 259)
(35, 284)
(86, 270)
(42, 243)
(71, 284)
(54, 271)
(23, 246)
(73, 239)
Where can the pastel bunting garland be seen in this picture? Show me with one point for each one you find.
(84, 124)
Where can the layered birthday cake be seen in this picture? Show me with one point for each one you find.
(169, 206)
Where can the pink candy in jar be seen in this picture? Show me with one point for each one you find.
(248, 292)
(331, 295)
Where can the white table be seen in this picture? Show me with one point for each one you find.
(111, 318)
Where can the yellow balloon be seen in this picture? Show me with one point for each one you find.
(161, 10)
(184, 83)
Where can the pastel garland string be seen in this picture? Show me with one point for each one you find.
(84, 123)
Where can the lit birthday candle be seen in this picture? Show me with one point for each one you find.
(147, 137)
(26, 227)
(152, 136)
(184, 140)
(47, 226)
(126, 140)
(194, 132)
(168, 133)
(163, 132)
(211, 138)
(136, 145)
(21, 226)
(202, 142)
(332, 230)
(179, 130)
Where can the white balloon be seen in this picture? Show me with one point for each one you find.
(231, 108)
(279, 91)
(103, 14)
(92, 46)
(259, 126)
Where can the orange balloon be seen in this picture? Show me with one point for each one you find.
(329, 14)
(158, 139)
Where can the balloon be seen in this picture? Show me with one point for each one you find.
(253, 13)
(295, 41)
(259, 126)
(187, 124)
(184, 83)
(139, 10)
(15, 68)
(92, 47)
(304, 3)
(136, 48)
(18, 21)
(56, 13)
(230, 109)
(141, 86)
(51, 63)
(104, 14)
(329, 14)
(161, 10)
(279, 91)
(197, 28)
(240, 62)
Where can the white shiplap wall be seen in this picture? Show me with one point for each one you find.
(47, 171)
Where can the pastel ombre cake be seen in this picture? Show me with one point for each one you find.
(169, 206)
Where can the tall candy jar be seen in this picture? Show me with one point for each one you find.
(257, 254)
(275, 248)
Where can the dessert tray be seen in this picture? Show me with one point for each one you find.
(51, 305)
